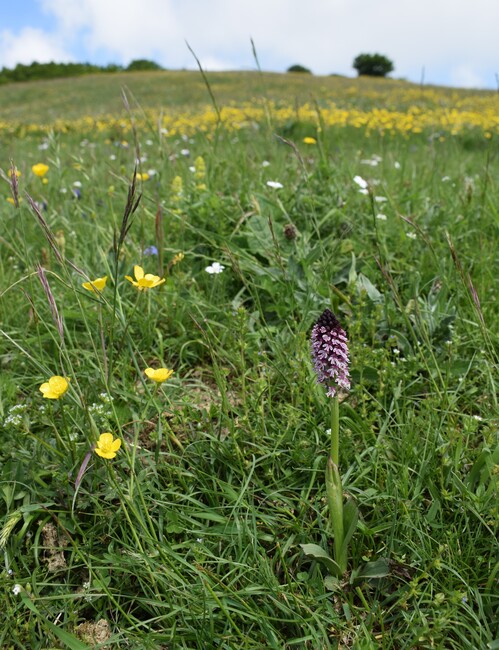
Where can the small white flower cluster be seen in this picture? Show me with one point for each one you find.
(373, 161)
(362, 183)
(100, 411)
(215, 268)
(15, 417)
(96, 409)
(364, 187)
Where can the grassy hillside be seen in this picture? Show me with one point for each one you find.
(202, 508)
(99, 95)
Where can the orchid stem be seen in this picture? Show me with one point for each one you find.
(335, 430)
(334, 489)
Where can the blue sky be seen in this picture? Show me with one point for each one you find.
(455, 41)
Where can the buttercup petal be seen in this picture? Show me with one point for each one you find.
(105, 454)
(105, 439)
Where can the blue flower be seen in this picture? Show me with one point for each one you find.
(151, 250)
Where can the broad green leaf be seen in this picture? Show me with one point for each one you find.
(350, 520)
(377, 569)
(320, 555)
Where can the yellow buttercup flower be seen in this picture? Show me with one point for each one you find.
(144, 281)
(159, 375)
(309, 140)
(55, 387)
(16, 172)
(177, 258)
(40, 169)
(95, 285)
(107, 446)
(144, 176)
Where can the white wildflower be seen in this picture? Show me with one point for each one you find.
(215, 268)
(363, 184)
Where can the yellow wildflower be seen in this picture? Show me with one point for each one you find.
(55, 387)
(16, 172)
(107, 446)
(40, 169)
(144, 281)
(199, 168)
(95, 285)
(142, 177)
(309, 140)
(177, 189)
(159, 375)
(177, 258)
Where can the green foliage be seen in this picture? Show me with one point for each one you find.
(36, 71)
(373, 65)
(142, 64)
(298, 68)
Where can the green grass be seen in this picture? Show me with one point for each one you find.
(191, 537)
(97, 95)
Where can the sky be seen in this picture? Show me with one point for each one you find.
(445, 42)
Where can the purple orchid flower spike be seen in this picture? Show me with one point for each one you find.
(330, 353)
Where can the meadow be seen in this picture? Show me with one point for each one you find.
(196, 228)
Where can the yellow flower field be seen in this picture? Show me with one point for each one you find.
(375, 105)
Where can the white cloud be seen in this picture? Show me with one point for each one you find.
(465, 76)
(30, 45)
(447, 37)
(214, 64)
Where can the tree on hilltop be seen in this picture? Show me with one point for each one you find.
(298, 68)
(142, 64)
(373, 65)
